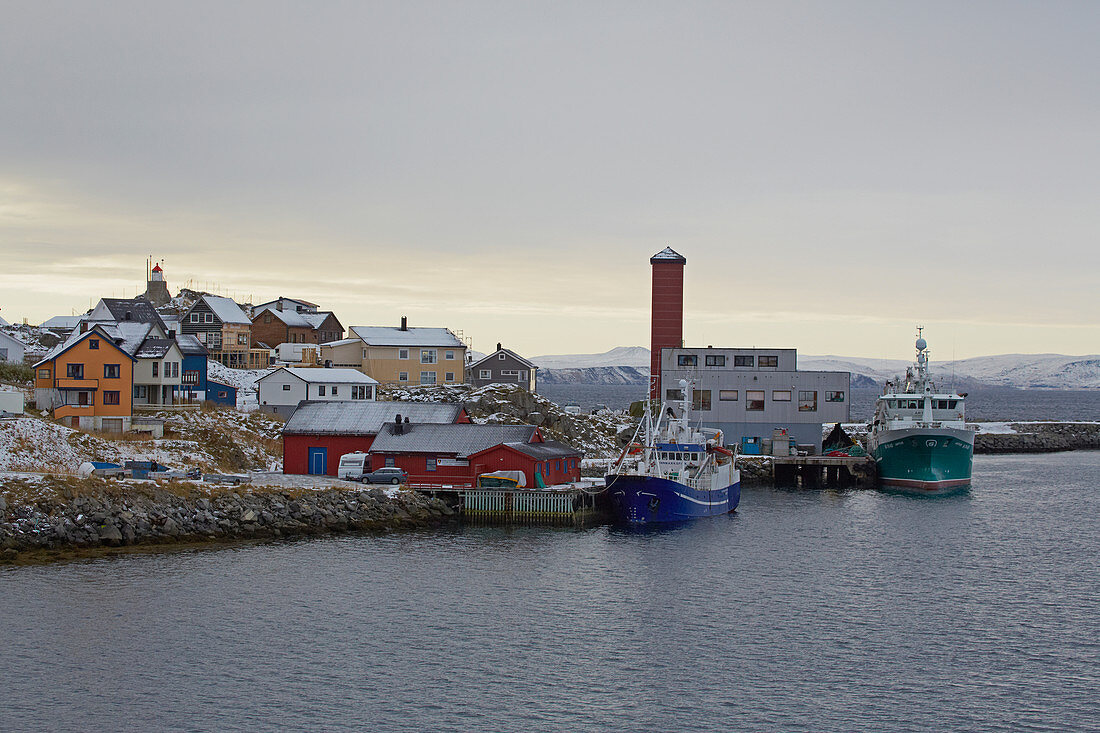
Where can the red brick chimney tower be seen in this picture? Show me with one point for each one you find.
(667, 311)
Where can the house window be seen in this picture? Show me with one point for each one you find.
(501, 356)
(401, 354)
(267, 318)
(559, 464)
(321, 390)
(242, 339)
(209, 317)
(674, 395)
(807, 400)
(112, 371)
(742, 361)
(359, 392)
(402, 376)
(427, 356)
(156, 368)
(754, 399)
(427, 377)
(389, 462)
(74, 371)
(716, 360)
(93, 343)
(450, 377)
(223, 394)
(727, 395)
(286, 387)
(687, 360)
(111, 398)
(140, 391)
(194, 318)
(768, 361)
(509, 372)
(334, 390)
(364, 353)
(700, 399)
(780, 395)
(834, 396)
(485, 373)
(43, 373)
(175, 369)
(430, 464)
(449, 355)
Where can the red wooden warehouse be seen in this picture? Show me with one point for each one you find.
(318, 433)
(455, 455)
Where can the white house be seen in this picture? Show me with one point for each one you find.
(281, 391)
(11, 349)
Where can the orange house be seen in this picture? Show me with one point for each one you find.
(87, 382)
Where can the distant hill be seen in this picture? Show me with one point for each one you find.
(630, 365)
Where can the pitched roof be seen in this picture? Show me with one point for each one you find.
(668, 254)
(76, 337)
(190, 344)
(133, 309)
(343, 342)
(366, 417)
(394, 336)
(330, 375)
(547, 449)
(62, 322)
(511, 353)
(154, 348)
(272, 303)
(226, 309)
(462, 439)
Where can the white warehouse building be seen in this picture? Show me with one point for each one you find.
(281, 391)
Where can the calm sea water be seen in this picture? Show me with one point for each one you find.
(807, 610)
(981, 405)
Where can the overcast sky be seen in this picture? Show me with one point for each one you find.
(834, 172)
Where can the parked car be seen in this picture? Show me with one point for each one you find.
(387, 475)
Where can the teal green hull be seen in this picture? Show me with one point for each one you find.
(927, 462)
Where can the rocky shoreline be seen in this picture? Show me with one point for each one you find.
(48, 518)
(1040, 437)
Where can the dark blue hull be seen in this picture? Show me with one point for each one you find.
(648, 500)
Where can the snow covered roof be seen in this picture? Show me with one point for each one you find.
(226, 309)
(190, 344)
(154, 348)
(365, 418)
(129, 309)
(128, 335)
(668, 254)
(343, 342)
(76, 337)
(394, 336)
(462, 440)
(272, 303)
(546, 450)
(62, 322)
(315, 375)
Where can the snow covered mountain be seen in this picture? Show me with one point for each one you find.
(1024, 371)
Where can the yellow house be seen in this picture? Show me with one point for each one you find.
(401, 355)
(87, 382)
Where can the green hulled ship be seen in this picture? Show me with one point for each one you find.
(919, 438)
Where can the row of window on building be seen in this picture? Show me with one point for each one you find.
(427, 356)
(747, 361)
(754, 398)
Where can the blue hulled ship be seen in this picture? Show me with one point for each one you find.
(678, 472)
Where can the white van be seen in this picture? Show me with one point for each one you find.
(353, 466)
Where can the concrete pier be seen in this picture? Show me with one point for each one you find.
(815, 472)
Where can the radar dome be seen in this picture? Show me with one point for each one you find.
(921, 344)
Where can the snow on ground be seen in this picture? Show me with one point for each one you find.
(243, 379)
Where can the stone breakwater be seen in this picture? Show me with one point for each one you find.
(66, 514)
(1050, 437)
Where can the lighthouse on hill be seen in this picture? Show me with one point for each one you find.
(156, 289)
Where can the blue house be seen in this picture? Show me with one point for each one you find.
(221, 394)
(193, 367)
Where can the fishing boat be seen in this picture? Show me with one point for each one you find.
(918, 437)
(676, 472)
